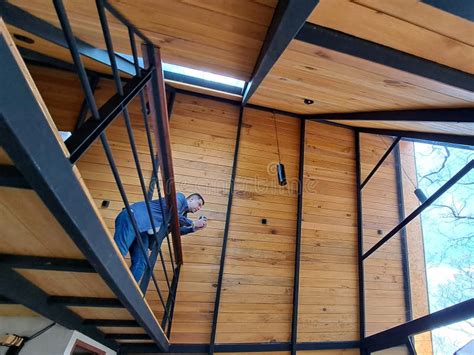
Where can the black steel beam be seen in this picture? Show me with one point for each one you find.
(12, 177)
(421, 115)
(299, 221)
(461, 8)
(458, 176)
(17, 288)
(85, 301)
(398, 335)
(35, 58)
(360, 238)
(5, 300)
(132, 336)
(81, 118)
(38, 154)
(45, 263)
(171, 98)
(380, 162)
(22, 19)
(436, 137)
(226, 234)
(288, 18)
(403, 234)
(111, 322)
(81, 140)
(377, 53)
(239, 347)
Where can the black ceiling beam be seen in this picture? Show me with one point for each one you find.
(5, 300)
(82, 139)
(287, 20)
(74, 301)
(132, 336)
(17, 288)
(45, 263)
(426, 136)
(12, 177)
(398, 335)
(377, 53)
(38, 154)
(421, 115)
(22, 19)
(111, 322)
(240, 347)
(461, 8)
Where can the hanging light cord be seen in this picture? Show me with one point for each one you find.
(276, 133)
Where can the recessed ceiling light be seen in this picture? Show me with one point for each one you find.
(308, 101)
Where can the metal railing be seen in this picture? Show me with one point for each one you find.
(154, 115)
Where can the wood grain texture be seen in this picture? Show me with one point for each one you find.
(341, 83)
(408, 25)
(256, 302)
(328, 302)
(219, 37)
(203, 135)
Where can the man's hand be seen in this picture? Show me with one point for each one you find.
(200, 224)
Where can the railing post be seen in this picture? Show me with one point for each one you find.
(159, 114)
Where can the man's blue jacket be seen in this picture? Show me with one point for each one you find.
(143, 221)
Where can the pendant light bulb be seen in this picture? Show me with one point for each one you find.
(281, 174)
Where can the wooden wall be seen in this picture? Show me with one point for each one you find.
(256, 303)
(257, 294)
(328, 277)
(203, 135)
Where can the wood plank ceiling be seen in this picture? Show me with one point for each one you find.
(226, 38)
(341, 83)
(219, 37)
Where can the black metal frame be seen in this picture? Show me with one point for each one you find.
(275, 44)
(403, 234)
(360, 237)
(462, 8)
(377, 53)
(287, 20)
(212, 342)
(401, 334)
(241, 347)
(45, 263)
(299, 221)
(31, 296)
(454, 115)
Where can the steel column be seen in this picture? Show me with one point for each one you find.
(360, 238)
(226, 235)
(299, 219)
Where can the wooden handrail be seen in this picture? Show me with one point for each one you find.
(159, 122)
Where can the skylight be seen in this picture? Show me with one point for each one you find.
(194, 73)
(203, 75)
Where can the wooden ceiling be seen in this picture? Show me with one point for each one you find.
(225, 37)
(222, 37)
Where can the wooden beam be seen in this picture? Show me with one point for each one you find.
(287, 20)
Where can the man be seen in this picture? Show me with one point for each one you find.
(125, 236)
